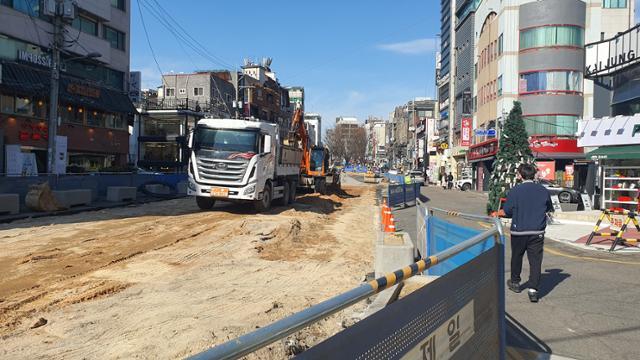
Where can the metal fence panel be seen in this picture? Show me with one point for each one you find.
(457, 316)
(396, 195)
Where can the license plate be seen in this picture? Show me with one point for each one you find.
(219, 192)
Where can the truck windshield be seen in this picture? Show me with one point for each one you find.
(226, 140)
(317, 157)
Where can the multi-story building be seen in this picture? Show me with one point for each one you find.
(94, 107)
(313, 122)
(262, 95)
(375, 132)
(209, 90)
(533, 51)
(296, 96)
(446, 79)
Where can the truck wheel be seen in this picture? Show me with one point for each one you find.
(205, 203)
(293, 189)
(264, 204)
(284, 200)
(321, 186)
(466, 187)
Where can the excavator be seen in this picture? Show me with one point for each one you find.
(314, 167)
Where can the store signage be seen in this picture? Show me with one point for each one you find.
(568, 172)
(483, 150)
(607, 131)
(546, 170)
(444, 146)
(29, 131)
(553, 145)
(466, 131)
(612, 55)
(483, 132)
(83, 90)
(555, 201)
(42, 60)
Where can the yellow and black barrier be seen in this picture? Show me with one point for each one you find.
(630, 216)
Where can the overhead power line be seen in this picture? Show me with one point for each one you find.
(146, 33)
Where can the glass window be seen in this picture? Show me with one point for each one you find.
(71, 114)
(95, 118)
(550, 81)
(24, 106)
(614, 4)
(198, 91)
(118, 4)
(500, 44)
(500, 85)
(115, 37)
(115, 121)
(29, 7)
(551, 124)
(552, 36)
(85, 25)
(171, 92)
(160, 151)
(40, 109)
(7, 104)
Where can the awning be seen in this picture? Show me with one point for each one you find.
(481, 159)
(29, 81)
(558, 155)
(615, 152)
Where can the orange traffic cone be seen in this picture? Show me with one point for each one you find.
(391, 225)
(386, 215)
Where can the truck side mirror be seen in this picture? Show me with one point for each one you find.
(267, 144)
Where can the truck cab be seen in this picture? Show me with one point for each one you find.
(239, 161)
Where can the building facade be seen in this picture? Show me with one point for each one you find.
(446, 76)
(94, 108)
(313, 122)
(296, 96)
(533, 51)
(210, 91)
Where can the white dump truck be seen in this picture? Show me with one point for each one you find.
(241, 161)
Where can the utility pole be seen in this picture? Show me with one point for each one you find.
(58, 40)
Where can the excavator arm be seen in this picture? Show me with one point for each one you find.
(299, 133)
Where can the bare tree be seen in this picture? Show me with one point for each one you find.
(347, 143)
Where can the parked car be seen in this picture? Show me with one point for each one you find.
(565, 195)
(417, 176)
(464, 184)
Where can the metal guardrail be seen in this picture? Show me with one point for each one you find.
(259, 338)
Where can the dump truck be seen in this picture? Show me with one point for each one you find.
(242, 161)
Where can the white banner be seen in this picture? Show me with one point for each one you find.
(62, 156)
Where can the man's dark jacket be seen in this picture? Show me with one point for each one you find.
(527, 205)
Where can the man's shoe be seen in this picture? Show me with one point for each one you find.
(514, 286)
(533, 296)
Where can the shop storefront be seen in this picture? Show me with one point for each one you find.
(556, 158)
(617, 156)
(481, 157)
(93, 119)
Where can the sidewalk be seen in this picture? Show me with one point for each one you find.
(574, 229)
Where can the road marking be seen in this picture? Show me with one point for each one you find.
(559, 253)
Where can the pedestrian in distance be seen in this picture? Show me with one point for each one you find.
(527, 205)
(450, 181)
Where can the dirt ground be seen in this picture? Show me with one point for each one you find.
(165, 280)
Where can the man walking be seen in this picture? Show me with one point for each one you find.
(527, 205)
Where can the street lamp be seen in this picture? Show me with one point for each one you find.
(53, 104)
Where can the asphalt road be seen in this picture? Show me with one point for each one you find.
(589, 300)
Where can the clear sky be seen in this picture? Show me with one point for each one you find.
(354, 57)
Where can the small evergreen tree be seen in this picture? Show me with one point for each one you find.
(513, 151)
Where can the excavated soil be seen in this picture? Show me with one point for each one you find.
(165, 280)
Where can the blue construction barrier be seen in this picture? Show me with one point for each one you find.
(402, 195)
(442, 234)
(355, 169)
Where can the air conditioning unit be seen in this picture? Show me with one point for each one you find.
(68, 10)
(48, 7)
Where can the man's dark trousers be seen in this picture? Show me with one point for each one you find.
(533, 246)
